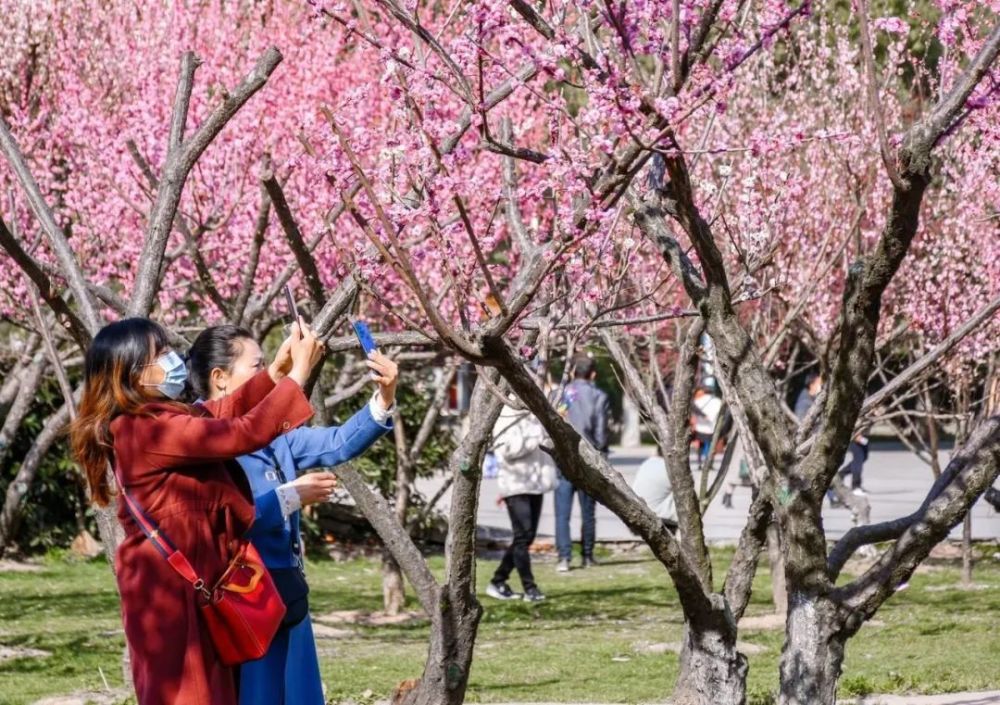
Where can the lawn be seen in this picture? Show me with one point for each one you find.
(594, 640)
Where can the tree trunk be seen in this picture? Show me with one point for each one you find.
(393, 587)
(813, 655)
(455, 617)
(712, 671)
(449, 655)
(779, 591)
(967, 551)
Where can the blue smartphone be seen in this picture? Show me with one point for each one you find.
(364, 337)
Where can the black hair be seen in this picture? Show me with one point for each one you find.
(122, 349)
(811, 377)
(217, 346)
(583, 366)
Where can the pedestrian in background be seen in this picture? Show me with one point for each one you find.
(587, 411)
(525, 473)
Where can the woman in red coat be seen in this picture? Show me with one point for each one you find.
(177, 462)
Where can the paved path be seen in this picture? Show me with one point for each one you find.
(897, 483)
(990, 698)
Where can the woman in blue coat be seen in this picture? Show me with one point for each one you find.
(221, 359)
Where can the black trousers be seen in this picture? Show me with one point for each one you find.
(859, 454)
(525, 511)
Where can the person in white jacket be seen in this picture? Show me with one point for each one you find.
(526, 473)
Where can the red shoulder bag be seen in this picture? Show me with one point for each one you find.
(242, 611)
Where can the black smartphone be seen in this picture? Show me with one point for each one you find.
(293, 310)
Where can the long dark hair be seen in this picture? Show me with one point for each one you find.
(217, 346)
(111, 371)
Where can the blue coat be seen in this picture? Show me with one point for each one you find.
(289, 672)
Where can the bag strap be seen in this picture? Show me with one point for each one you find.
(161, 542)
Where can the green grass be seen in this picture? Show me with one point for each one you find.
(580, 646)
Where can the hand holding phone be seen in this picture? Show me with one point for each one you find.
(381, 369)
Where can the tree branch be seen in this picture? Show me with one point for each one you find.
(874, 104)
(67, 319)
(925, 361)
(57, 238)
(675, 439)
(971, 471)
(589, 471)
(179, 162)
(295, 241)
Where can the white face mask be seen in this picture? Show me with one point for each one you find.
(174, 375)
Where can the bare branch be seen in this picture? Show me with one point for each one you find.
(31, 378)
(925, 362)
(412, 24)
(971, 471)
(295, 240)
(179, 162)
(738, 584)
(393, 534)
(250, 273)
(66, 317)
(673, 432)
(407, 339)
(588, 470)
(182, 100)
(57, 238)
(925, 134)
(53, 353)
(874, 104)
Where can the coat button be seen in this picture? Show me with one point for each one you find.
(285, 426)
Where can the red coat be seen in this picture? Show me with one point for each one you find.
(179, 467)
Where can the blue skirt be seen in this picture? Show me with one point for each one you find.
(287, 673)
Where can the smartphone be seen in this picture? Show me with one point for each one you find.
(293, 310)
(364, 337)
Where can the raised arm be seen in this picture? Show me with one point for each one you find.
(326, 446)
(172, 439)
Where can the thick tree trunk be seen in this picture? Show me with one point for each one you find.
(813, 655)
(712, 671)
(455, 619)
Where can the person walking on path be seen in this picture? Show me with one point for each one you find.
(706, 407)
(223, 359)
(587, 411)
(526, 473)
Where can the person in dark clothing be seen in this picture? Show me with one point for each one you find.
(587, 410)
(806, 398)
